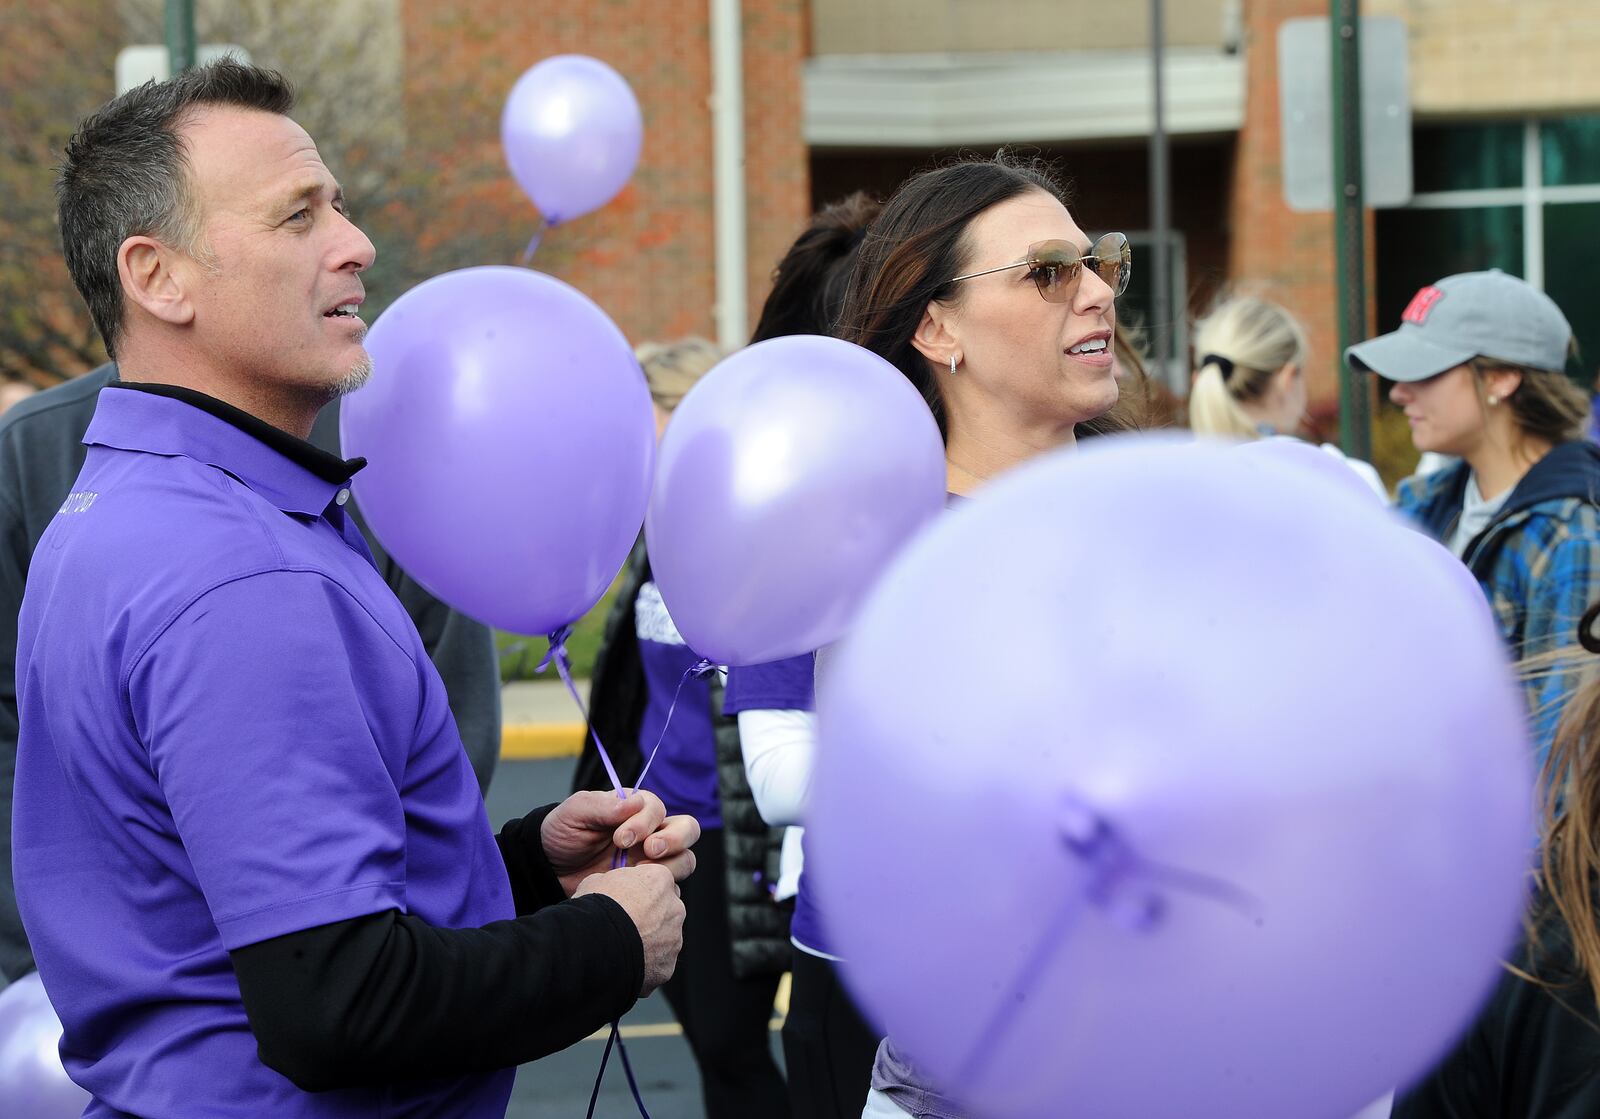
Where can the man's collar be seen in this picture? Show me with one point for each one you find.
(293, 474)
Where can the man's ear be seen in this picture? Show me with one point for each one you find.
(152, 280)
(935, 337)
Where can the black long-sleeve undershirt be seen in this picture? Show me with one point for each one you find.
(387, 997)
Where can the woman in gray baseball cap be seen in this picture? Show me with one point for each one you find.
(1476, 365)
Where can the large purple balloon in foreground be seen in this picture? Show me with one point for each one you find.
(571, 130)
(33, 1085)
(1285, 451)
(788, 478)
(510, 442)
(1152, 783)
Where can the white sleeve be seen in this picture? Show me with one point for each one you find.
(791, 860)
(1364, 470)
(1369, 474)
(778, 747)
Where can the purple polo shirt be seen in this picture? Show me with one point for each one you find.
(786, 685)
(230, 731)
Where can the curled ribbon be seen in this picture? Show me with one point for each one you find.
(543, 227)
(557, 655)
(698, 671)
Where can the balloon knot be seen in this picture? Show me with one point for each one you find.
(1113, 865)
(558, 646)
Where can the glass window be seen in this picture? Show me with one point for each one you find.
(1571, 230)
(1570, 150)
(1466, 156)
(1418, 247)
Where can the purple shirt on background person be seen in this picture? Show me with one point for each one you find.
(684, 772)
(230, 731)
(784, 685)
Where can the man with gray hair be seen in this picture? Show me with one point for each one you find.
(249, 850)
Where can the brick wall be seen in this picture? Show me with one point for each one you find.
(1273, 251)
(777, 176)
(647, 257)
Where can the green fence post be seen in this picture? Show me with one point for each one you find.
(1355, 389)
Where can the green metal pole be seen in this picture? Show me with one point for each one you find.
(1350, 233)
(180, 35)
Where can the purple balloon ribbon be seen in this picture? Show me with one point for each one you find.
(1123, 883)
(627, 1068)
(604, 1057)
(699, 670)
(557, 654)
(539, 231)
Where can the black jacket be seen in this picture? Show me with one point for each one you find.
(1533, 1053)
(758, 928)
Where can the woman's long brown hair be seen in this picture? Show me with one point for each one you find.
(1570, 862)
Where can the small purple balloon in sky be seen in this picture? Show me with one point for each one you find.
(572, 131)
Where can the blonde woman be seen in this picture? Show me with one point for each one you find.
(1476, 364)
(671, 370)
(1251, 382)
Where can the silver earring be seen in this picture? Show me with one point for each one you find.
(952, 365)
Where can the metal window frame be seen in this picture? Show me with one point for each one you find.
(1533, 196)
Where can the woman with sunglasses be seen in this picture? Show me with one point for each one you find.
(980, 286)
(1477, 365)
(1251, 381)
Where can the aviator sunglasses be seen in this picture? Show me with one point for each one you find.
(1054, 266)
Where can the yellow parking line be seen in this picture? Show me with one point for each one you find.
(657, 1029)
(780, 1009)
(529, 741)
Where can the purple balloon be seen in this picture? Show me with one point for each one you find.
(788, 478)
(510, 442)
(1327, 462)
(1137, 788)
(33, 1085)
(1449, 569)
(572, 131)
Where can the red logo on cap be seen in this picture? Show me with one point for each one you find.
(1421, 303)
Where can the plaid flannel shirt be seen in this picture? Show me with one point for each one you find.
(1539, 565)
